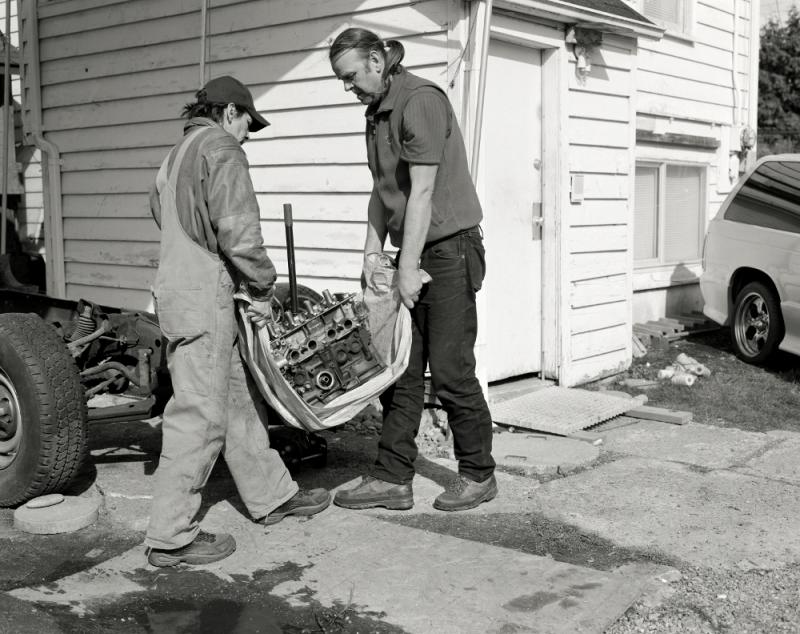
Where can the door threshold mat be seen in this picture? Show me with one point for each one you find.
(560, 410)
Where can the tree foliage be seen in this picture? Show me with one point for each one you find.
(779, 86)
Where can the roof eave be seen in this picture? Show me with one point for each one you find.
(560, 11)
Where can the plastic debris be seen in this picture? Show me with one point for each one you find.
(684, 371)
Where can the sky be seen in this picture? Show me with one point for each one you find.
(779, 8)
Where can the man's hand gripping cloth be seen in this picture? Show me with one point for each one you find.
(390, 328)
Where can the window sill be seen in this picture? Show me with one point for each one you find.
(652, 277)
(686, 38)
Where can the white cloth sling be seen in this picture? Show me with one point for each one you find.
(390, 328)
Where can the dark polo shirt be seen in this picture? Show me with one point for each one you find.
(415, 124)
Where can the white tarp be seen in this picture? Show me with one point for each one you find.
(389, 324)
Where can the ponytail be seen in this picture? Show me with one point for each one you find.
(394, 52)
(365, 42)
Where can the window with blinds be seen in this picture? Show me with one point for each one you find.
(669, 213)
(674, 15)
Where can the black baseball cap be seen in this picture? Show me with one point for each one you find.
(227, 89)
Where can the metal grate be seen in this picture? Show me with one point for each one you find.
(559, 410)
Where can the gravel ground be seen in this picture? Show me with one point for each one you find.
(705, 600)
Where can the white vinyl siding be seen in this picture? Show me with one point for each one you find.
(115, 75)
(600, 132)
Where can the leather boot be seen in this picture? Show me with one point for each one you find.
(466, 494)
(304, 502)
(205, 549)
(373, 492)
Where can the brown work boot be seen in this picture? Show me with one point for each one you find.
(466, 494)
(304, 502)
(373, 492)
(205, 549)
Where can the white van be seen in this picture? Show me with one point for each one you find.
(751, 260)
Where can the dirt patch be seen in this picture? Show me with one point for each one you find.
(735, 395)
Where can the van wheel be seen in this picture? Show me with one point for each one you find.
(757, 326)
(42, 410)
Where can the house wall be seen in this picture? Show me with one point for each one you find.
(598, 238)
(685, 86)
(115, 75)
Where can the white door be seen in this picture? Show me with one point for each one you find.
(510, 188)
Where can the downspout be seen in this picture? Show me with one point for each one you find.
(476, 137)
(752, 76)
(53, 215)
(483, 313)
(203, 37)
(736, 128)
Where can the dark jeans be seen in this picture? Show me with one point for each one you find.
(444, 327)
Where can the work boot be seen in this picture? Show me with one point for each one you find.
(205, 549)
(373, 492)
(304, 502)
(466, 494)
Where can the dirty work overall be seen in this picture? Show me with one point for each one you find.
(213, 406)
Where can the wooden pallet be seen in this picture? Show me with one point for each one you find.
(663, 328)
(667, 329)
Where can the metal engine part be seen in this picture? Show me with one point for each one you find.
(324, 350)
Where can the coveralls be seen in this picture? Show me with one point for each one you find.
(414, 124)
(210, 242)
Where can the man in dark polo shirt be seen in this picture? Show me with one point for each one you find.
(424, 200)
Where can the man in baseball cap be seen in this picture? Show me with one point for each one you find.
(227, 89)
(211, 244)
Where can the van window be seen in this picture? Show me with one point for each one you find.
(770, 197)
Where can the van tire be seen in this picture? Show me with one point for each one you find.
(43, 427)
(757, 324)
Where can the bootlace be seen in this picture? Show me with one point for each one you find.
(202, 536)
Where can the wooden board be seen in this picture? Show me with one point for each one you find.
(647, 412)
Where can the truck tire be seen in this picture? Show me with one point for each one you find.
(42, 410)
(757, 325)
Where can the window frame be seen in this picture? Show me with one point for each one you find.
(702, 220)
(689, 23)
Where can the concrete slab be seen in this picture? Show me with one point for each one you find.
(696, 444)
(779, 461)
(415, 580)
(718, 518)
(538, 454)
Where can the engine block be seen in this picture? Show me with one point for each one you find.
(325, 350)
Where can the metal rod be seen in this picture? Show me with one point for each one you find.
(8, 123)
(287, 221)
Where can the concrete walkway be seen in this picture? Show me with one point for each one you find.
(702, 495)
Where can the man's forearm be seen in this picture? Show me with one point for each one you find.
(415, 230)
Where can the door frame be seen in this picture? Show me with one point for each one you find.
(549, 39)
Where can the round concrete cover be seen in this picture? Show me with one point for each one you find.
(56, 514)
